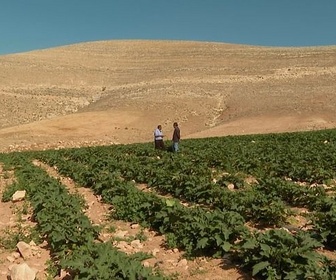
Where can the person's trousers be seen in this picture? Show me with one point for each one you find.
(159, 144)
(175, 146)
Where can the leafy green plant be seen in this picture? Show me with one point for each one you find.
(237, 180)
(103, 261)
(200, 232)
(324, 225)
(276, 254)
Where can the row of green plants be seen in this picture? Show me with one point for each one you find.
(274, 254)
(285, 256)
(266, 202)
(201, 174)
(301, 156)
(71, 236)
(252, 204)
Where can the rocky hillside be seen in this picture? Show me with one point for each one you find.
(118, 91)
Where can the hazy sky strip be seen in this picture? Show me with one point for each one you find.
(37, 24)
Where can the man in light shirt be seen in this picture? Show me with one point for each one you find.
(158, 138)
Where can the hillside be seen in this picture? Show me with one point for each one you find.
(118, 91)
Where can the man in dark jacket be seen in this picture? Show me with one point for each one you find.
(176, 137)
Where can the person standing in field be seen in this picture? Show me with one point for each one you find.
(176, 137)
(158, 138)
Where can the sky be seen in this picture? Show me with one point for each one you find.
(40, 24)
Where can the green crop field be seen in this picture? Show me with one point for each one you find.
(235, 195)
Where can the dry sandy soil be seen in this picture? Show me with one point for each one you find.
(119, 91)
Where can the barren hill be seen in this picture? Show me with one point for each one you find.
(118, 91)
